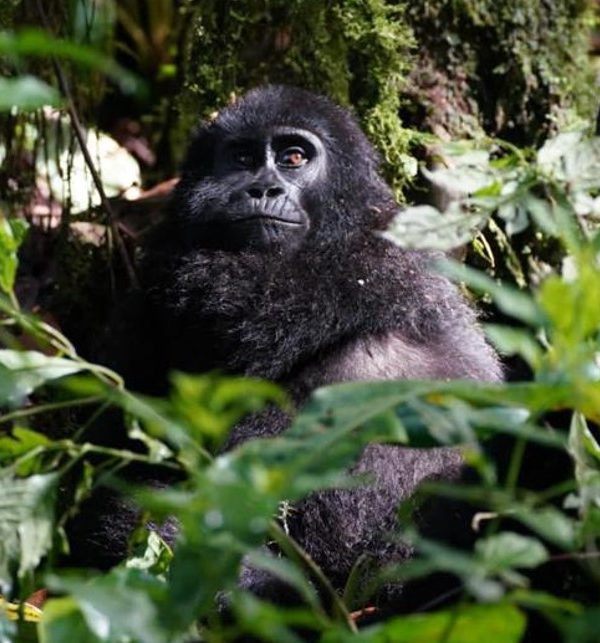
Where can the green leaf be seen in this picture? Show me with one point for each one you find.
(20, 441)
(572, 159)
(549, 522)
(269, 623)
(156, 557)
(36, 42)
(585, 451)
(26, 523)
(21, 372)
(12, 233)
(515, 341)
(507, 550)
(567, 303)
(26, 92)
(500, 623)
(582, 628)
(423, 226)
(27, 447)
(210, 405)
(123, 604)
(542, 214)
(513, 302)
(62, 620)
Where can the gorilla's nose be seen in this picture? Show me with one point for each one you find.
(261, 190)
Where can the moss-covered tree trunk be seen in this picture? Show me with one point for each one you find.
(451, 67)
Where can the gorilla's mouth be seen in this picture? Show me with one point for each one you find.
(267, 218)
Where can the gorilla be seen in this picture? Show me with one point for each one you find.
(271, 264)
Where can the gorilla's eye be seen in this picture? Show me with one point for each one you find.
(244, 158)
(292, 157)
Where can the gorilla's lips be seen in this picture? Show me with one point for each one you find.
(268, 218)
(260, 229)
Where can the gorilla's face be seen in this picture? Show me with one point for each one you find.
(278, 169)
(258, 193)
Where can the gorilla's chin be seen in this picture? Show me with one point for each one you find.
(267, 234)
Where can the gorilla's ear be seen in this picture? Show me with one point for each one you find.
(200, 154)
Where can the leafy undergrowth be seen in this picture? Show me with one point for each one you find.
(528, 528)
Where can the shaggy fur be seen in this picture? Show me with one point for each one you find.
(346, 305)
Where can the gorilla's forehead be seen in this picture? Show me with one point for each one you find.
(267, 133)
(260, 110)
(244, 124)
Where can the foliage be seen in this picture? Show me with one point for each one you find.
(227, 505)
(37, 43)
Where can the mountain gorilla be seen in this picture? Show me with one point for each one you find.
(270, 265)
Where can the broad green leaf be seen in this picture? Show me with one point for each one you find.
(210, 405)
(510, 550)
(542, 214)
(26, 523)
(270, 623)
(22, 442)
(513, 302)
(514, 216)
(26, 92)
(423, 226)
(550, 156)
(515, 341)
(585, 452)
(467, 171)
(63, 621)
(38, 43)
(123, 604)
(582, 628)
(566, 306)
(573, 159)
(21, 372)
(549, 522)
(544, 602)
(500, 623)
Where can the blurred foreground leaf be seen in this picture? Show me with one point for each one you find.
(12, 233)
(501, 623)
(26, 524)
(38, 43)
(26, 92)
(21, 372)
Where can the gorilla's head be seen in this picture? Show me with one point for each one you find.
(279, 167)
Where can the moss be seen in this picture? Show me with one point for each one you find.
(520, 67)
(354, 51)
(455, 68)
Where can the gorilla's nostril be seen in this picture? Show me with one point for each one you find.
(255, 193)
(274, 191)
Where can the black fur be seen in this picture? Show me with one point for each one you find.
(341, 304)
